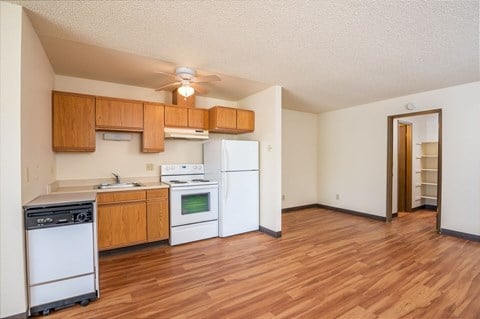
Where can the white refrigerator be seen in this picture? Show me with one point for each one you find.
(235, 165)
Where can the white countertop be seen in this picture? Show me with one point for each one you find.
(88, 185)
(56, 199)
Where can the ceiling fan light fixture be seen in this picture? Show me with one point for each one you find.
(186, 91)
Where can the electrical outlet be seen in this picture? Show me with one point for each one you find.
(149, 167)
(337, 197)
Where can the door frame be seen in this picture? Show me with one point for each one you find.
(390, 162)
(408, 164)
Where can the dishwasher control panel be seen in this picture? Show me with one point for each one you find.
(41, 217)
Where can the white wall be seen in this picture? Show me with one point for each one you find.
(299, 158)
(353, 160)
(12, 261)
(268, 131)
(431, 128)
(125, 157)
(38, 159)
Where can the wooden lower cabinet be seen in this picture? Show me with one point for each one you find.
(158, 227)
(132, 217)
(121, 225)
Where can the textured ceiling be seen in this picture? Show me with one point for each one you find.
(325, 54)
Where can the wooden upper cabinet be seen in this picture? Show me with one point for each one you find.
(176, 116)
(119, 115)
(73, 122)
(153, 124)
(231, 120)
(180, 100)
(198, 118)
(223, 119)
(186, 117)
(245, 120)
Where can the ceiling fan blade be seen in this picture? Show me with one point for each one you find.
(205, 78)
(171, 76)
(198, 89)
(169, 86)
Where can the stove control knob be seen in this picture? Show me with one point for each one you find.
(48, 219)
(81, 217)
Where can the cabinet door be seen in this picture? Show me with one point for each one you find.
(223, 119)
(176, 116)
(198, 118)
(119, 115)
(245, 120)
(157, 220)
(73, 122)
(118, 197)
(153, 124)
(121, 225)
(157, 214)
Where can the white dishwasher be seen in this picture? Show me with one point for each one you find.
(62, 261)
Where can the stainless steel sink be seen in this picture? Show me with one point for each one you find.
(117, 185)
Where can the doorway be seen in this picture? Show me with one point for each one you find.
(391, 144)
(404, 167)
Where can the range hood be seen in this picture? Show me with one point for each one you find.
(186, 133)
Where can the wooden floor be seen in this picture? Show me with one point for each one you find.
(326, 265)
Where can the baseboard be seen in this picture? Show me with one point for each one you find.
(459, 234)
(22, 315)
(352, 212)
(414, 209)
(274, 234)
(122, 250)
(394, 215)
(430, 207)
(291, 209)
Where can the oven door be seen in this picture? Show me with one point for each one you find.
(193, 204)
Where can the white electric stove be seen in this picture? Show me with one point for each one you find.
(193, 203)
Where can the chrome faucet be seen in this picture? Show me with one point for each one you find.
(117, 178)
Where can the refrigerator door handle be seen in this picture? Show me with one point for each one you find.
(225, 159)
(225, 188)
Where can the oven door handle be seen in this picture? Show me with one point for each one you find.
(189, 188)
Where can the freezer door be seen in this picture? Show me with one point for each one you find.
(239, 203)
(239, 155)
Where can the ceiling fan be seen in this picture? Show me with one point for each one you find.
(185, 80)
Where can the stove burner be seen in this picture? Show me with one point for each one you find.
(200, 180)
(178, 182)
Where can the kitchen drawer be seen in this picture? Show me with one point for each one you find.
(115, 197)
(161, 193)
